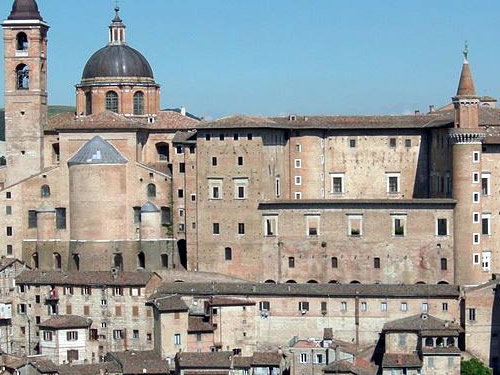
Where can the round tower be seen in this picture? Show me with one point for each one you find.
(46, 218)
(150, 222)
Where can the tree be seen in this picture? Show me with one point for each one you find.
(474, 367)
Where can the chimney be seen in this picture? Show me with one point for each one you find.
(183, 111)
(417, 112)
(431, 108)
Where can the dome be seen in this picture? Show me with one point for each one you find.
(25, 10)
(117, 61)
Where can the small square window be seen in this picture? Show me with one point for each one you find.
(475, 238)
(180, 193)
(352, 143)
(392, 142)
(444, 306)
(8, 195)
(298, 147)
(335, 262)
(8, 210)
(179, 150)
(475, 156)
(298, 195)
(298, 163)
(215, 228)
(475, 177)
(407, 142)
(298, 180)
(291, 262)
(383, 306)
(404, 306)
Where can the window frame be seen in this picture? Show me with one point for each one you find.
(333, 185)
(389, 176)
(438, 231)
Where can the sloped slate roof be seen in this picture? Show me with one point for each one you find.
(66, 321)
(204, 360)
(140, 362)
(169, 304)
(97, 151)
(401, 360)
(424, 323)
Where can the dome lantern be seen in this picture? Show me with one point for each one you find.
(117, 29)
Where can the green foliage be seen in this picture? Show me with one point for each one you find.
(474, 367)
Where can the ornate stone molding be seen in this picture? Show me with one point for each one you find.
(467, 137)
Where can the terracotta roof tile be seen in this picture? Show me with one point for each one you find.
(358, 367)
(170, 303)
(198, 324)
(225, 301)
(44, 366)
(140, 362)
(242, 362)
(423, 323)
(208, 360)
(84, 278)
(91, 369)
(66, 321)
(466, 83)
(392, 360)
(265, 359)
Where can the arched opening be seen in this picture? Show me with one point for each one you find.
(139, 103)
(162, 151)
(269, 282)
(420, 282)
(141, 260)
(118, 261)
(450, 341)
(88, 103)
(57, 261)
(112, 101)
(182, 249)
(440, 341)
(443, 282)
(151, 190)
(21, 42)
(228, 253)
(178, 281)
(34, 261)
(355, 282)
(55, 153)
(333, 282)
(76, 262)
(312, 282)
(164, 260)
(22, 77)
(429, 342)
(291, 282)
(45, 191)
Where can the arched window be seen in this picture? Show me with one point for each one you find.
(333, 282)
(57, 261)
(291, 282)
(88, 103)
(440, 342)
(269, 282)
(228, 253)
(355, 282)
(450, 341)
(22, 77)
(76, 262)
(420, 282)
(151, 190)
(112, 101)
(35, 260)
(118, 261)
(162, 151)
(45, 191)
(164, 260)
(21, 42)
(443, 282)
(138, 103)
(429, 342)
(312, 282)
(141, 260)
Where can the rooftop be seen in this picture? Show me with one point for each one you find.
(425, 324)
(66, 321)
(169, 303)
(220, 360)
(97, 151)
(392, 360)
(140, 362)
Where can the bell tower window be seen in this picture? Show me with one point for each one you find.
(112, 101)
(139, 103)
(21, 42)
(22, 77)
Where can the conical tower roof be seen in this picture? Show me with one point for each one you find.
(466, 84)
(97, 151)
(25, 10)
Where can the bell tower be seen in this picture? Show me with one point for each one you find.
(25, 62)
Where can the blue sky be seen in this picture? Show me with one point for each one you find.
(271, 57)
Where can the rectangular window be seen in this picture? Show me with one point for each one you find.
(228, 253)
(32, 222)
(165, 216)
(442, 227)
(376, 262)
(264, 306)
(475, 197)
(135, 311)
(485, 184)
(392, 142)
(303, 306)
(47, 335)
(298, 195)
(72, 355)
(8, 195)
(324, 307)
(9, 231)
(72, 335)
(135, 334)
(451, 362)
(221, 137)
(180, 193)
(215, 188)
(343, 306)
(240, 160)
(182, 167)
(402, 339)
(475, 218)
(319, 358)
(298, 180)
(298, 163)
(425, 307)
(352, 143)
(404, 306)
(393, 183)
(444, 306)
(298, 147)
(179, 150)
(9, 250)
(291, 262)
(207, 137)
(335, 262)
(21, 309)
(364, 306)
(398, 225)
(354, 225)
(471, 314)
(86, 291)
(485, 260)
(8, 210)
(475, 239)
(304, 358)
(383, 306)
(270, 225)
(486, 224)
(61, 218)
(277, 187)
(118, 334)
(337, 183)
(86, 310)
(214, 161)
(312, 225)
(137, 215)
(475, 156)
(407, 142)
(475, 258)
(475, 177)
(241, 228)
(215, 228)
(118, 311)
(444, 264)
